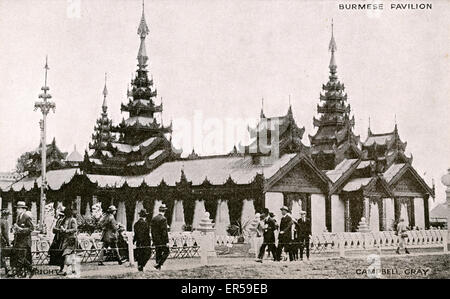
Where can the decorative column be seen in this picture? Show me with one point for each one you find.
(207, 239)
(347, 220)
(121, 213)
(10, 217)
(382, 214)
(222, 218)
(87, 212)
(446, 181)
(199, 212)
(177, 217)
(366, 207)
(139, 206)
(295, 208)
(78, 204)
(34, 212)
(248, 211)
(374, 215)
(337, 214)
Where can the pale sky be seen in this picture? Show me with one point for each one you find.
(219, 58)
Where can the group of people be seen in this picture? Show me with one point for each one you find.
(63, 249)
(144, 232)
(293, 235)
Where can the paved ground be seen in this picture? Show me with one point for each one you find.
(416, 265)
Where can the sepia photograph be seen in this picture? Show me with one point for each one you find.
(213, 139)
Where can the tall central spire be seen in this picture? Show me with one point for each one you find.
(333, 48)
(105, 93)
(334, 140)
(142, 31)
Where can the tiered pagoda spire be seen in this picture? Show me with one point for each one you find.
(141, 143)
(102, 137)
(275, 136)
(385, 149)
(334, 139)
(141, 123)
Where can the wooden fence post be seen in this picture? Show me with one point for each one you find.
(130, 248)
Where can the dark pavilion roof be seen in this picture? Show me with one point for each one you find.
(281, 129)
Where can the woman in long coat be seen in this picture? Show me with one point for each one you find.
(69, 230)
(55, 253)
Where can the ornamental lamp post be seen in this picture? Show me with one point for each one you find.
(44, 105)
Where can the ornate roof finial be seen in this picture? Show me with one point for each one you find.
(261, 115)
(105, 93)
(143, 28)
(369, 131)
(332, 47)
(46, 69)
(142, 32)
(290, 107)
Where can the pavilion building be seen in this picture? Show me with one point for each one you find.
(337, 180)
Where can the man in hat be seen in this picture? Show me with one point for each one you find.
(269, 227)
(4, 240)
(55, 251)
(22, 239)
(303, 233)
(142, 240)
(284, 237)
(110, 234)
(160, 236)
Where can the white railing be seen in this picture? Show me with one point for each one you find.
(378, 240)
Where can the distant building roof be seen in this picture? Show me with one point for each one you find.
(439, 211)
(74, 156)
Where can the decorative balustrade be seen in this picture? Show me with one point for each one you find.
(187, 244)
(376, 240)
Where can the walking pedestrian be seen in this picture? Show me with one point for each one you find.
(284, 237)
(160, 236)
(303, 234)
(55, 251)
(22, 240)
(68, 231)
(142, 240)
(402, 235)
(110, 235)
(5, 249)
(269, 227)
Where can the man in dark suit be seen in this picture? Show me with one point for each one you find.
(142, 240)
(284, 237)
(160, 236)
(269, 227)
(303, 233)
(22, 239)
